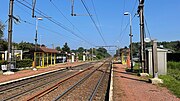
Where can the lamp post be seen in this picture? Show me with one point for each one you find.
(37, 18)
(36, 32)
(131, 55)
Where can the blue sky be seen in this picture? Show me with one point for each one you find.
(162, 17)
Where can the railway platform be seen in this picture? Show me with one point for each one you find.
(129, 87)
(30, 73)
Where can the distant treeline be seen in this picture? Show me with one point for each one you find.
(173, 45)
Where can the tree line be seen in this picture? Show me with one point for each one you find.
(172, 45)
(98, 53)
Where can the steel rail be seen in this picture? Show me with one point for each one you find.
(97, 85)
(36, 78)
(27, 91)
(44, 92)
(76, 84)
(35, 87)
(22, 82)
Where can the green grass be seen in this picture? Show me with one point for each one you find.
(175, 73)
(172, 79)
(173, 65)
(171, 83)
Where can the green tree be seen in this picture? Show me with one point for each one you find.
(25, 45)
(66, 48)
(3, 45)
(81, 50)
(178, 47)
(58, 48)
(102, 53)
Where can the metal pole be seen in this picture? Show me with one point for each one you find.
(33, 7)
(10, 24)
(131, 54)
(72, 8)
(36, 42)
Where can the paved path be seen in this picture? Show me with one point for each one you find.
(128, 87)
(26, 73)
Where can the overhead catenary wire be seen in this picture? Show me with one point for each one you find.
(124, 30)
(42, 27)
(97, 28)
(121, 35)
(53, 21)
(74, 26)
(147, 29)
(122, 21)
(134, 7)
(96, 15)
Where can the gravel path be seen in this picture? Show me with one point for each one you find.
(128, 87)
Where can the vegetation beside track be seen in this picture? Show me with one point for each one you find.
(172, 79)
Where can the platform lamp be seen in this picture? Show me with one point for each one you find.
(131, 55)
(37, 18)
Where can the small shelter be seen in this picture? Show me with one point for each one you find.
(44, 56)
(161, 59)
(124, 53)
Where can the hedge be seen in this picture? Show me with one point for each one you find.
(24, 63)
(174, 69)
(2, 62)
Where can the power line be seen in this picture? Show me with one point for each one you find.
(122, 30)
(97, 28)
(42, 27)
(53, 21)
(96, 15)
(134, 7)
(147, 29)
(66, 18)
(122, 21)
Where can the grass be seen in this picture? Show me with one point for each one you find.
(172, 79)
(171, 83)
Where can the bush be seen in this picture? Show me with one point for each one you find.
(2, 62)
(172, 84)
(24, 63)
(175, 73)
(172, 79)
(173, 65)
(174, 70)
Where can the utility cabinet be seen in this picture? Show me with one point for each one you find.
(162, 61)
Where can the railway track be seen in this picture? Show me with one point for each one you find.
(85, 85)
(22, 88)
